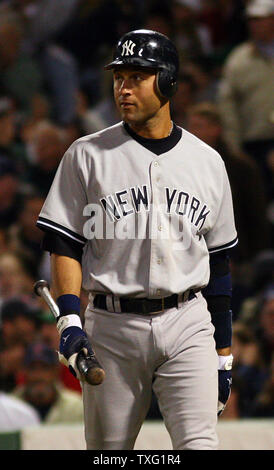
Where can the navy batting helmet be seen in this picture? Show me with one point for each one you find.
(150, 49)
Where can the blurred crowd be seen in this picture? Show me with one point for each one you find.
(53, 90)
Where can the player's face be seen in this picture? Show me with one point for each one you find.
(135, 94)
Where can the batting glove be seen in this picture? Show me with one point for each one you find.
(72, 340)
(225, 381)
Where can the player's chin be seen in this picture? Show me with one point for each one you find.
(133, 119)
(129, 111)
(128, 114)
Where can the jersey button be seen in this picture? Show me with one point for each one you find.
(159, 261)
(156, 164)
(160, 228)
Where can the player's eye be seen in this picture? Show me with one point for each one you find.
(117, 78)
(138, 77)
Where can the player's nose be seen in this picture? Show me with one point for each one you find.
(125, 86)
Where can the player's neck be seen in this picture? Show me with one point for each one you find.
(158, 127)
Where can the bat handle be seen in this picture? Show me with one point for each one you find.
(90, 368)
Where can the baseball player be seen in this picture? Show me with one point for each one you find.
(140, 215)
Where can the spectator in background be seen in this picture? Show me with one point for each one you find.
(270, 209)
(246, 98)
(205, 76)
(14, 279)
(3, 241)
(25, 237)
(42, 20)
(14, 414)
(10, 193)
(19, 326)
(42, 389)
(262, 276)
(10, 148)
(20, 75)
(226, 21)
(40, 111)
(263, 406)
(47, 143)
(256, 319)
(191, 37)
(249, 368)
(159, 18)
(264, 329)
(7, 124)
(12, 164)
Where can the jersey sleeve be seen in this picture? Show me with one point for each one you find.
(223, 234)
(62, 211)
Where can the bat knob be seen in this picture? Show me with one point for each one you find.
(95, 376)
(40, 284)
(90, 368)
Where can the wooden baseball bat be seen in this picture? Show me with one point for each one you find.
(88, 365)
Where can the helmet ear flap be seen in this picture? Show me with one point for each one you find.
(166, 84)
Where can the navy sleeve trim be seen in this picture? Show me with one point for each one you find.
(226, 246)
(48, 225)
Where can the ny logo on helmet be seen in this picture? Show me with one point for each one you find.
(128, 47)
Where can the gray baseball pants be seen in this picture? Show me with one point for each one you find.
(173, 352)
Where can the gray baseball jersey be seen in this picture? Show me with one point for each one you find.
(147, 222)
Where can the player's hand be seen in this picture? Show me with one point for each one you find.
(73, 340)
(225, 383)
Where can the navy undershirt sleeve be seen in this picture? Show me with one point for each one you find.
(218, 294)
(55, 243)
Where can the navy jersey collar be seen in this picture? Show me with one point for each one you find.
(157, 146)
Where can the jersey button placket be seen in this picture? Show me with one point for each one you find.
(156, 227)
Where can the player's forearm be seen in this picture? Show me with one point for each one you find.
(66, 276)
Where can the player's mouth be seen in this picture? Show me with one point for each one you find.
(126, 104)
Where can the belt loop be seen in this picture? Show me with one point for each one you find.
(117, 304)
(109, 303)
(91, 298)
(186, 295)
(179, 300)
